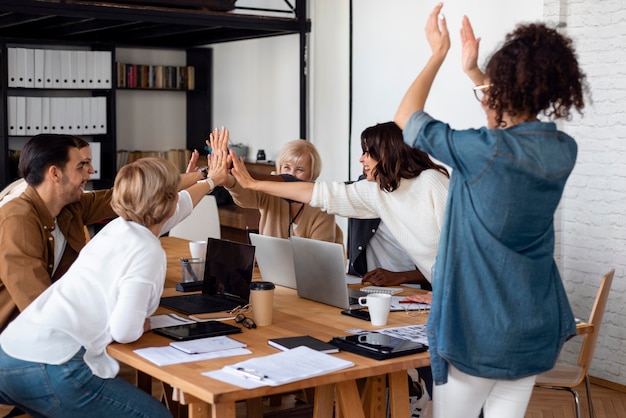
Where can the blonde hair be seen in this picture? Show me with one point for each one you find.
(145, 191)
(296, 151)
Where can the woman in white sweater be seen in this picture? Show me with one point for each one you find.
(53, 359)
(405, 189)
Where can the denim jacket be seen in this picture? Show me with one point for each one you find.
(499, 307)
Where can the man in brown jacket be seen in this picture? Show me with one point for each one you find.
(43, 230)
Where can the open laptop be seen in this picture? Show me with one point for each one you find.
(274, 256)
(227, 277)
(321, 273)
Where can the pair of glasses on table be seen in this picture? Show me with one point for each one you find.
(237, 313)
(240, 318)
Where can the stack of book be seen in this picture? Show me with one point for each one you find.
(180, 157)
(165, 77)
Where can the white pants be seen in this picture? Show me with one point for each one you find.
(463, 396)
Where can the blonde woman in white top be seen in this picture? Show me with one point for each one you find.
(53, 359)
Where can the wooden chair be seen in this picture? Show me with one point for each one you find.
(567, 377)
(203, 223)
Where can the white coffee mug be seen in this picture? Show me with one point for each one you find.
(378, 305)
(197, 249)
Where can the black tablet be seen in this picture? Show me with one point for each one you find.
(197, 330)
(378, 346)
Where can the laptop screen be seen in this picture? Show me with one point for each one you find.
(228, 269)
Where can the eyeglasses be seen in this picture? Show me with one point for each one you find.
(416, 309)
(245, 321)
(241, 309)
(480, 91)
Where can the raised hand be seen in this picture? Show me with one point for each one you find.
(469, 54)
(192, 167)
(240, 172)
(218, 139)
(437, 32)
(219, 166)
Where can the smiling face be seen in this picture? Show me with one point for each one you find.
(73, 177)
(368, 165)
(85, 152)
(300, 169)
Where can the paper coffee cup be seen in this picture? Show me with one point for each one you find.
(262, 301)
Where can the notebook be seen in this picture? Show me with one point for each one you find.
(287, 343)
(321, 273)
(274, 257)
(226, 284)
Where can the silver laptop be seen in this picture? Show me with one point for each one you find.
(274, 257)
(321, 273)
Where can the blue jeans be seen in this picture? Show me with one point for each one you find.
(71, 390)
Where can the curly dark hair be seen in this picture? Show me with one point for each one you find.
(535, 71)
(396, 159)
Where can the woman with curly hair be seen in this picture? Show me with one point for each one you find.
(499, 314)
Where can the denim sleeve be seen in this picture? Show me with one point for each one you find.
(466, 151)
(414, 126)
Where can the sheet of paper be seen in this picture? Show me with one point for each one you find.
(397, 306)
(280, 368)
(207, 345)
(352, 279)
(164, 356)
(235, 379)
(168, 320)
(415, 333)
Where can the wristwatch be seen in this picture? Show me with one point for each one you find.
(204, 171)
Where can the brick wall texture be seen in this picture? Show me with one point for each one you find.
(591, 223)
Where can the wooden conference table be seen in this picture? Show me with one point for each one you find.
(292, 315)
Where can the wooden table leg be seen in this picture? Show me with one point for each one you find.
(324, 401)
(399, 395)
(144, 382)
(348, 399)
(374, 397)
(254, 408)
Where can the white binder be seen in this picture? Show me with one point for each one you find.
(57, 115)
(57, 83)
(95, 160)
(33, 116)
(76, 109)
(101, 105)
(29, 66)
(105, 58)
(12, 115)
(81, 69)
(39, 68)
(20, 108)
(12, 67)
(86, 115)
(66, 69)
(20, 67)
(45, 115)
(99, 68)
(48, 73)
(90, 65)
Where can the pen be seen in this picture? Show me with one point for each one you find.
(250, 373)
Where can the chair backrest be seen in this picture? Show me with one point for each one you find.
(589, 342)
(203, 223)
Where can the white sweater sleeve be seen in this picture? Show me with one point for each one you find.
(128, 316)
(355, 200)
(183, 209)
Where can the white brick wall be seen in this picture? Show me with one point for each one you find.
(592, 221)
